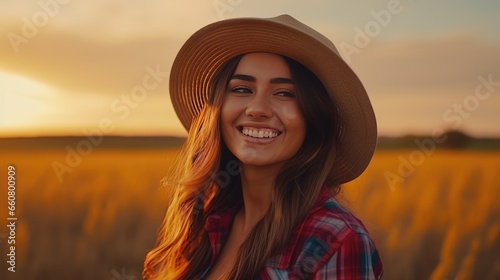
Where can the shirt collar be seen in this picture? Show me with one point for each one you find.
(217, 226)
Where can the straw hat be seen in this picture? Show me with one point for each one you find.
(210, 47)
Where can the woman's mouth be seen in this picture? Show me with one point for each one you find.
(259, 132)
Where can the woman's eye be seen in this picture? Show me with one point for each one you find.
(285, 94)
(241, 90)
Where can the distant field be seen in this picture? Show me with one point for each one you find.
(438, 217)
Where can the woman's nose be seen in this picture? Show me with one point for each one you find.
(259, 106)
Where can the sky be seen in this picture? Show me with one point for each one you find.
(70, 67)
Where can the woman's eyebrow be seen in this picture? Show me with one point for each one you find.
(249, 78)
(281, 81)
(243, 77)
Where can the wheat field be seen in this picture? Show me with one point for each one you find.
(440, 219)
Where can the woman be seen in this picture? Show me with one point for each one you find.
(277, 121)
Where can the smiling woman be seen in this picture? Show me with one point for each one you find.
(287, 126)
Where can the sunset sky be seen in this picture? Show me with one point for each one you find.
(68, 67)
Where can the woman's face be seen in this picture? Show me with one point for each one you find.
(262, 124)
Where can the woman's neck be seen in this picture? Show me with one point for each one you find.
(257, 183)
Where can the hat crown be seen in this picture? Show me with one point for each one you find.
(301, 27)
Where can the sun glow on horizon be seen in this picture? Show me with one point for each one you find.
(24, 103)
(29, 109)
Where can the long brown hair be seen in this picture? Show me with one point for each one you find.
(183, 250)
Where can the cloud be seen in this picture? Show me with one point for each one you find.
(448, 64)
(413, 83)
(93, 46)
(75, 64)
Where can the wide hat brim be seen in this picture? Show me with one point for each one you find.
(210, 47)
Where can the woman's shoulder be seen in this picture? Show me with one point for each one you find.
(331, 219)
(321, 235)
(328, 226)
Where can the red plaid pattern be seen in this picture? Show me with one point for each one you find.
(329, 244)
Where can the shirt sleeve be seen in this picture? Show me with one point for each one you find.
(356, 258)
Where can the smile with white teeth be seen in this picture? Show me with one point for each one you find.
(259, 133)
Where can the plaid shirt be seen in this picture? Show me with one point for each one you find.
(329, 244)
